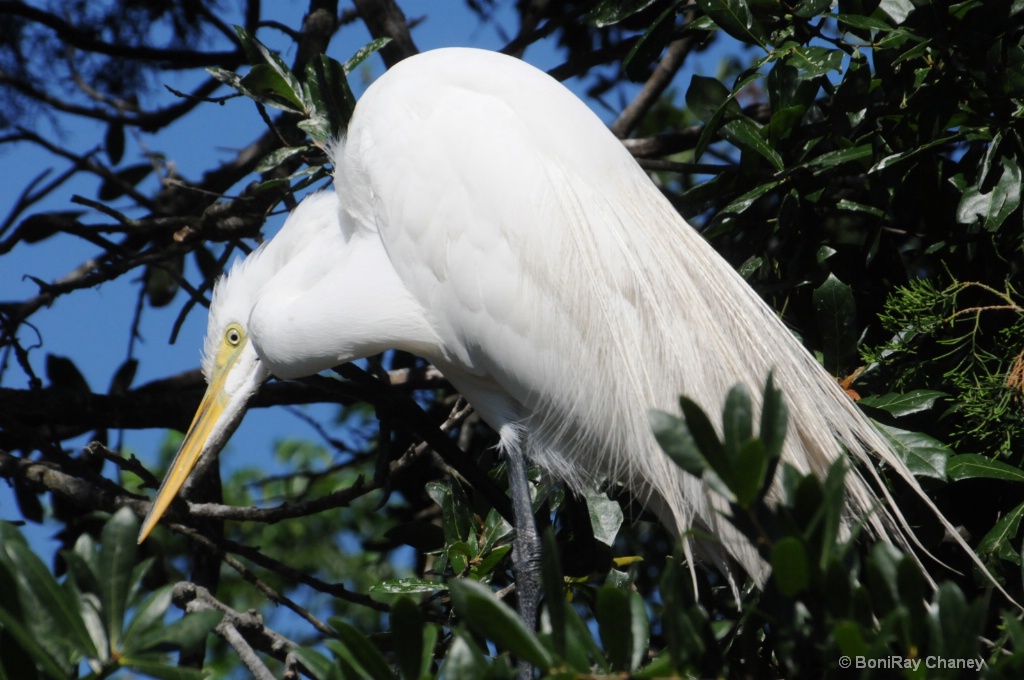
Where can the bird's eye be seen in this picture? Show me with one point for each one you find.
(233, 335)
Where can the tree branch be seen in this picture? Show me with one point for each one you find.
(656, 84)
(385, 19)
(86, 40)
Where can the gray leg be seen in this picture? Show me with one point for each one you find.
(526, 548)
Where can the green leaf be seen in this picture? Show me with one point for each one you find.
(997, 203)
(260, 56)
(583, 651)
(489, 561)
(154, 668)
(13, 625)
(864, 22)
(613, 621)
(810, 8)
(1001, 533)
(316, 663)
(831, 159)
(895, 158)
(331, 95)
(116, 560)
(707, 96)
(407, 634)
(53, 611)
(485, 614)
(148, 616)
(358, 651)
(408, 586)
(737, 419)
(465, 661)
(748, 473)
(363, 52)
(605, 516)
(745, 134)
(640, 631)
(186, 632)
(675, 440)
(458, 523)
(278, 156)
(711, 102)
(265, 84)
(496, 529)
(905, 403)
(882, 573)
(734, 17)
(703, 432)
(739, 204)
(924, 456)
(974, 466)
(836, 316)
(790, 566)
(774, 419)
(460, 554)
(814, 62)
(608, 12)
(554, 587)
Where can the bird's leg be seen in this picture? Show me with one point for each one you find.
(526, 548)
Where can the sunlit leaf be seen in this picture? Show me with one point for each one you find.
(478, 606)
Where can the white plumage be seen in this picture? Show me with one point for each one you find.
(487, 220)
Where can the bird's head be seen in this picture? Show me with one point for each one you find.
(233, 371)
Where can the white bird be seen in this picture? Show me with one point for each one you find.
(486, 220)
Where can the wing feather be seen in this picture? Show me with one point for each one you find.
(569, 295)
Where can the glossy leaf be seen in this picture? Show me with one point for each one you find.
(317, 664)
(735, 18)
(116, 560)
(774, 419)
(606, 516)
(924, 455)
(184, 633)
(554, 588)
(357, 649)
(906, 403)
(408, 586)
(675, 440)
(15, 626)
(746, 134)
(55, 611)
(737, 419)
(364, 52)
(407, 635)
(837, 316)
(477, 605)
(974, 466)
(640, 630)
(613, 620)
(465, 661)
(1001, 534)
(265, 84)
(154, 668)
(148, 616)
(608, 12)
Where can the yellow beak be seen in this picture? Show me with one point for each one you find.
(221, 406)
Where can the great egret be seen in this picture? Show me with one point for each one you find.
(485, 219)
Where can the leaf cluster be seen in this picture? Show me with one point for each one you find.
(100, 617)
